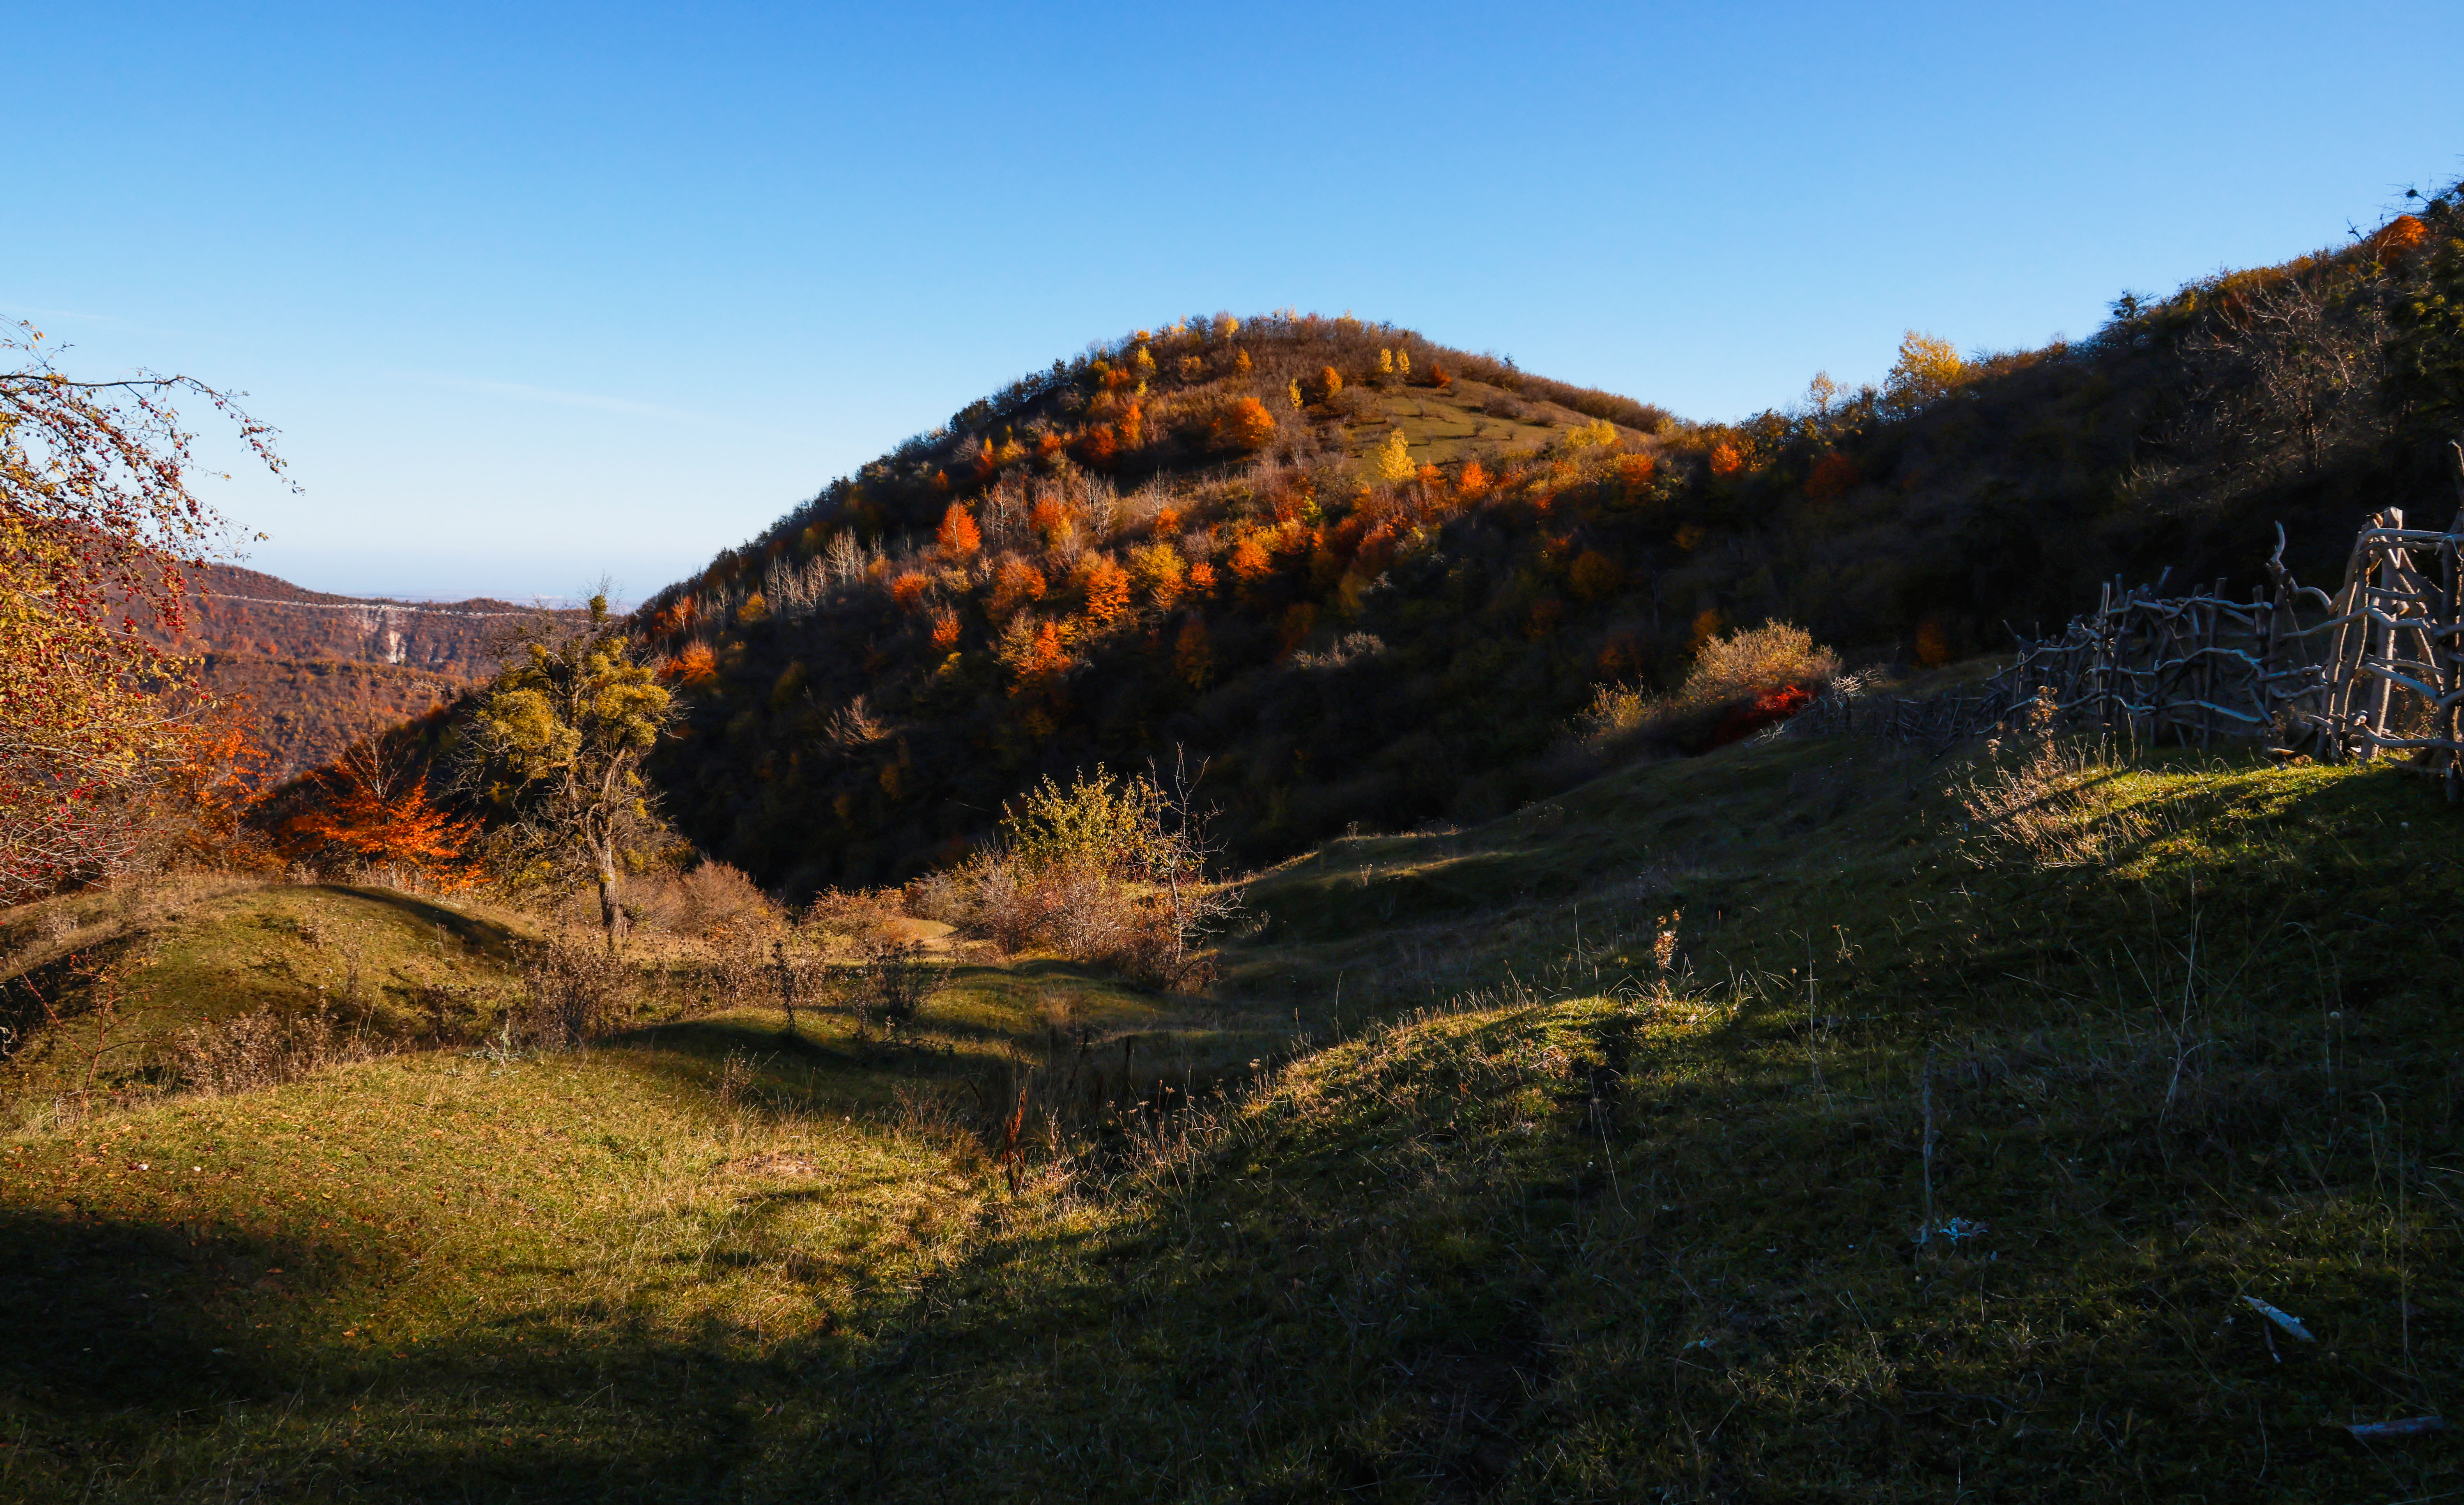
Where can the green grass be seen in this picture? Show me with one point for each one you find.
(1530, 1220)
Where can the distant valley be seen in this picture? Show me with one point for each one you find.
(322, 671)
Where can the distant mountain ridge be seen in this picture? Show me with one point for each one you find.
(323, 670)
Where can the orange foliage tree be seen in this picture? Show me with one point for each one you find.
(2400, 234)
(1594, 575)
(1105, 587)
(1244, 425)
(959, 536)
(372, 808)
(695, 665)
(1096, 445)
(1015, 584)
(1193, 658)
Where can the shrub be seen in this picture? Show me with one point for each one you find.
(890, 983)
(1598, 434)
(265, 1048)
(1243, 426)
(1831, 477)
(1927, 368)
(1106, 871)
(1594, 575)
(1015, 584)
(1106, 586)
(1739, 683)
(1159, 571)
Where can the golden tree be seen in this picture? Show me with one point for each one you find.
(558, 743)
(1392, 461)
(1927, 368)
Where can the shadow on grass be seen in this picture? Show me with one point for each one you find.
(483, 935)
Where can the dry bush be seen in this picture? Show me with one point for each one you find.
(1107, 870)
(267, 1047)
(572, 992)
(1739, 682)
(711, 899)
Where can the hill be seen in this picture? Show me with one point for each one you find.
(322, 671)
(1736, 1128)
(1366, 581)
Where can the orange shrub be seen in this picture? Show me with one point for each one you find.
(959, 536)
(1133, 427)
(1049, 520)
(1250, 559)
(945, 630)
(1047, 444)
(1193, 658)
(1107, 589)
(1244, 425)
(1096, 445)
(1473, 483)
(908, 591)
(1201, 578)
(374, 809)
(1298, 622)
(1015, 584)
(2402, 233)
(1634, 470)
(1329, 382)
(695, 665)
(1726, 460)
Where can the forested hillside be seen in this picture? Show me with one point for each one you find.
(1369, 581)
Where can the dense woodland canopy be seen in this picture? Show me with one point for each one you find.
(1370, 579)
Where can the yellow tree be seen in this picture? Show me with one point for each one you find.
(1392, 461)
(1927, 368)
(558, 743)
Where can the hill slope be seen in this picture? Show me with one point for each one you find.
(1207, 538)
(1592, 1232)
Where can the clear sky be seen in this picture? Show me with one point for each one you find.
(541, 292)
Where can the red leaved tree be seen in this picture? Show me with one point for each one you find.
(371, 807)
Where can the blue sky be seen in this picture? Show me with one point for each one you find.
(541, 292)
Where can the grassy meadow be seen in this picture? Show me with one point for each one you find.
(1758, 1126)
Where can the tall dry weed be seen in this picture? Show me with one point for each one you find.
(268, 1046)
(2044, 797)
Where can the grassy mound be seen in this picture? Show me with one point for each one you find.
(1918, 1171)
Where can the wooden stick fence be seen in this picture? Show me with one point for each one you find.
(2381, 671)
